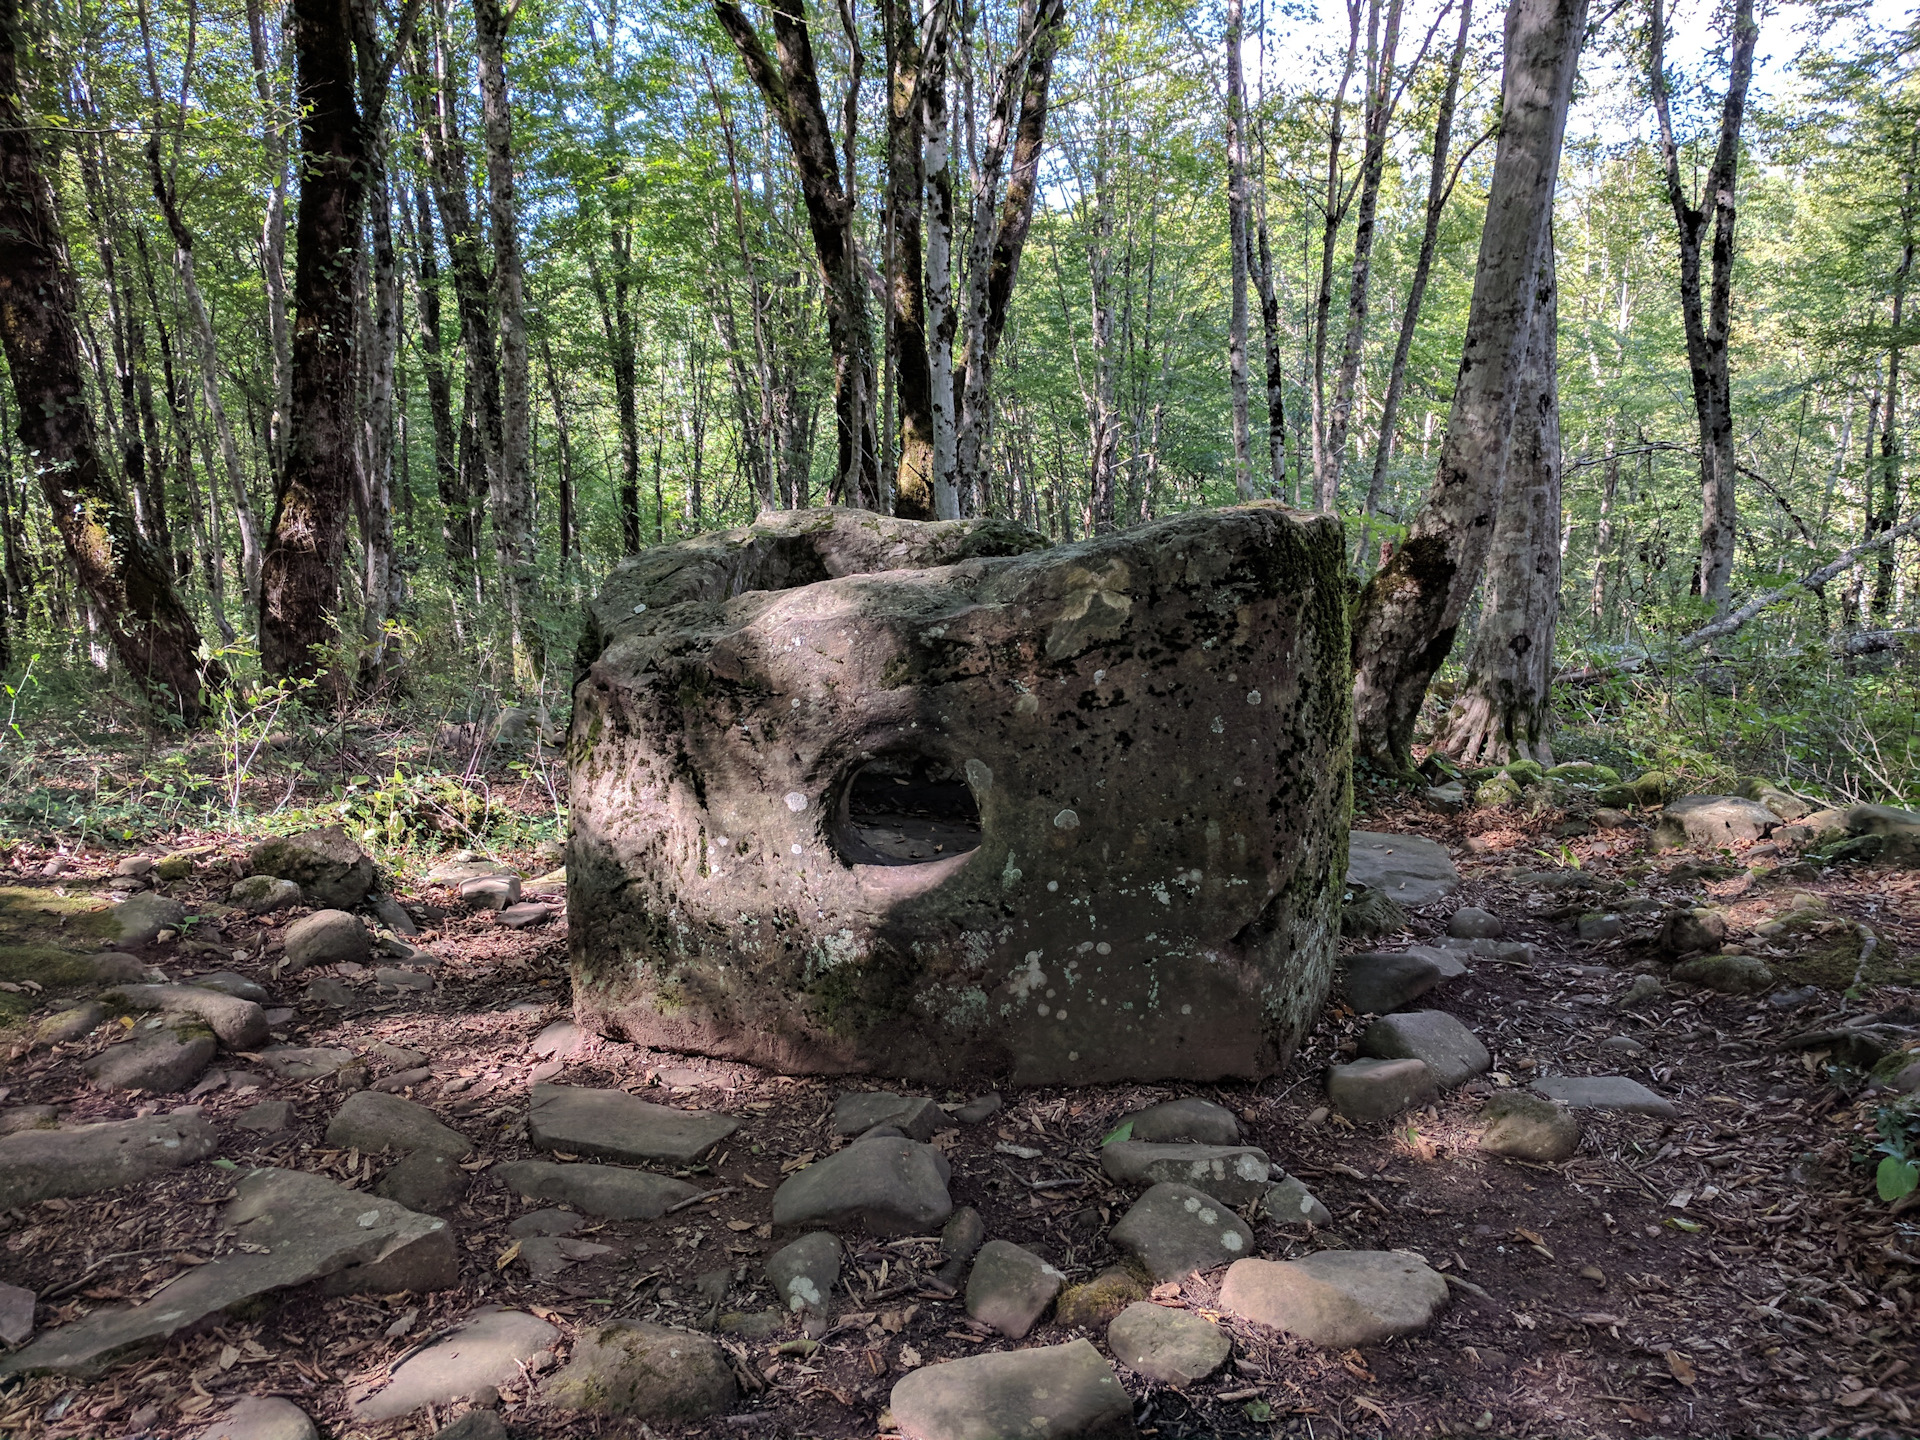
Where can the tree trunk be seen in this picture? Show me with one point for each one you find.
(379, 653)
(1333, 208)
(563, 438)
(1409, 611)
(943, 322)
(457, 537)
(1503, 712)
(792, 91)
(1883, 517)
(300, 576)
(1237, 208)
(616, 326)
(125, 578)
(273, 245)
(1707, 324)
(906, 297)
(511, 501)
(1276, 369)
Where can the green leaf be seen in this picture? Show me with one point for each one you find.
(1896, 1177)
(1122, 1131)
(224, 1163)
(1259, 1411)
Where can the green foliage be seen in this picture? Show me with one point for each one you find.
(1898, 1173)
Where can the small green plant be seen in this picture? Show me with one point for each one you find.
(1898, 1173)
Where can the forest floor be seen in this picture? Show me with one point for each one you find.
(1726, 1272)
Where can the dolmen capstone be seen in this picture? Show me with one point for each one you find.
(852, 793)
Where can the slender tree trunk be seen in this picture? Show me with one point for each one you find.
(1708, 323)
(943, 322)
(1503, 712)
(1276, 367)
(1439, 188)
(1603, 530)
(906, 298)
(273, 243)
(616, 325)
(457, 538)
(1104, 419)
(511, 502)
(564, 440)
(125, 578)
(1411, 608)
(1237, 208)
(379, 653)
(1884, 516)
(1334, 199)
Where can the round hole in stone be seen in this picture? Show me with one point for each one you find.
(907, 809)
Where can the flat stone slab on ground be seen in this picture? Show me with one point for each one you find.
(1233, 1173)
(557, 1040)
(1380, 981)
(1450, 1050)
(139, 919)
(1407, 869)
(609, 1190)
(615, 1126)
(16, 1314)
(305, 1062)
(70, 1024)
(262, 1417)
(237, 1023)
(857, 1111)
(1713, 821)
(229, 982)
(1175, 1347)
(489, 1349)
(269, 1117)
(37, 1164)
(1604, 1092)
(1377, 1089)
(1529, 1127)
(1010, 1288)
(1053, 1392)
(803, 1273)
(1337, 1298)
(1188, 1118)
(890, 1186)
(162, 1060)
(644, 1372)
(298, 1228)
(372, 1122)
(1175, 1230)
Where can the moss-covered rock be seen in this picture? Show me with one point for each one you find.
(1584, 772)
(1093, 1304)
(1497, 789)
(1729, 974)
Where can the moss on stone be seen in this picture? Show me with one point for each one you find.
(1094, 1304)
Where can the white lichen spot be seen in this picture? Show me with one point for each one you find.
(1230, 1239)
(1052, 885)
(1044, 1008)
(1159, 892)
(1186, 1009)
(1027, 705)
(1251, 1167)
(1103, 948)
(796, 702)
(1066, 820)
(1192, 1205)
(1253, 697)
(1209, 1216)
(639, 609)
(802, 1293)
(722, 841)
(1099, 677)
(796, 849)
(796, 802)
(1024, 982)
(1085, 946)
(1073, 1054)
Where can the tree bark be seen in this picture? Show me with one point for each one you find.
(1882, 517)
(563, 437)
(1270, 331)
(1708, 323)
(1333, 205)
(1411, 608)
(126, 579)
(792, 91)
(906, 298)
(943, 322)
(1237, 208)
(273, 243)
(456, 508)
(1504, 709)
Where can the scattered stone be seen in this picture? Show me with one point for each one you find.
(16, 1314)
(1712, 821)
(1604, 1092)
(559, 1039)
(292, 1228)
(1623, 1045)
(1643, 989)
(1010, 1288)
(399, 1055)
(644, 1372)
(392, 914)
(1506, 952)
(372, 1122)
(490, 892)
(305, 1062)
(1367, 914)
(858, 1111)
(1095, 1303)
(1595, 926)
(1686, 932)
(1377, 1089)
(1189, 1118)
(546, 1256)
(1052, 1392)
(488, 1350)
(1796, 998)
(614, 1125)
(1382, 981)
(1654, 787)
(65, 1026)
(1448, 799)
(1898, 829)
(330, 993)
(269, 1117)
(139, 919)
(475, 1425)
(28, 1117)
(134, 865)
(1233, 1173)
(1451, 1052)
(327, 937)
(607, 1190)
(263, 894)
(1610, 819)
(1499, 788)
(1529, 1127)
(1470, 922)
(544, 1222)
(892, 1187)
(1291, 1203)
(1175, 1347)
(1175, 1230)
(228, 982)
(1584, 772)
(329, 867)
(162, 1060)
(389, 978)
(1338, 1299)
(463, 866)
(804, 1272)
(116, 969)
(238, 1024)
(519, 917)
(39, 1164)
(1729, 974)
(262, 1417)
(977, 1110)
(962, 1236)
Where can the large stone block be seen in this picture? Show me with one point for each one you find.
(858, 794)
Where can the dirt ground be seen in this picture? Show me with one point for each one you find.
(1728, 1272)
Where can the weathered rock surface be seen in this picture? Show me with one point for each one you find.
(1451, 1051)
(228, 982)
(373, 1122)
(269, 1117)
(1729, 974)
(1175, 1230)
(327, 937)
(1409, 870)
(1010, 1288)
(1054, 1392)
(1529, 1127)
(1233, 1173)
(305, 1062)
(644, 1372)
(39, 1164)
(489, 1349)
(1382, 981)
(1470, 922)
(1713, 821)
(1175, 1347)
(1684, 932)
(296, 1228)
(889, 1186)
(328, 866)
(1018, 695)
(139, 919)
(597, 1189)
(1377, 1089)
(1098, 1302)
(1336, 1298)
(1290, 1203)
(1604, 1092)
(615, 1126)
(263, 894)
(1188, 1118)
(858, 1111)
(16, 1314)
(262, 1417)
(70, 1024)
(238, 1024)
(162, 1060)
(803, 1273)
